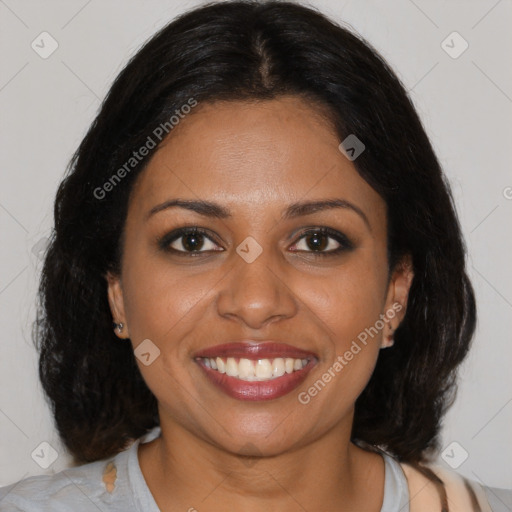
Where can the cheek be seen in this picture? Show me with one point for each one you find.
(163, 305)
(350, 300)
(349, 306)
(161, 301)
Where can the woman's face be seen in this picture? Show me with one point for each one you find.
(261, 272)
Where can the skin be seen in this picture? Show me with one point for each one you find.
(216, 452)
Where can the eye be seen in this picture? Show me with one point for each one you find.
(323, 241)
(188, 240)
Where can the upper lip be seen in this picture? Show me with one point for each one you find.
(255, 350)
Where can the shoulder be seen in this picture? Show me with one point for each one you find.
(462, 494)
(80, 488)
(500, 500)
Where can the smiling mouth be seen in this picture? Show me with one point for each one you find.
(254, 370)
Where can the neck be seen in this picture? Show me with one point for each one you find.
(184, 472)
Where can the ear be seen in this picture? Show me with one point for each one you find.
(116, 303)
(396, 300)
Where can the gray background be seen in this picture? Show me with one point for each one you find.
(465, 103)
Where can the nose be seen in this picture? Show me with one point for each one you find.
(256, 293)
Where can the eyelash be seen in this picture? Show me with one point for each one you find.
(344, 243)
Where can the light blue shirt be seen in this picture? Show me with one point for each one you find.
(81, 488)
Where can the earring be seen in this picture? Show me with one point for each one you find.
(391, 341)
(118, 327)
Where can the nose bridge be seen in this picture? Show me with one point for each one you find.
(256, 291)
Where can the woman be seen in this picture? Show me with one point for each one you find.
(259, 211)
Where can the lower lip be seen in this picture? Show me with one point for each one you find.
(257, 391)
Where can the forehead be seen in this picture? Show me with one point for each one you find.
(253, 154)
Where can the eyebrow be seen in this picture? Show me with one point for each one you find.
(294, 210)
(206, 208)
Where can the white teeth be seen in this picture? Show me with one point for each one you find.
(258, 370)
(245, 369)
(221, 366)
(278, 367)
(263, 369)
(231, 367)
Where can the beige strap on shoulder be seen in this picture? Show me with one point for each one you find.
(427, 496)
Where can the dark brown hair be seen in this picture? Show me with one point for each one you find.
(239, 50)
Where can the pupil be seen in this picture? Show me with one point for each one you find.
(192, 242)
(317, 241)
